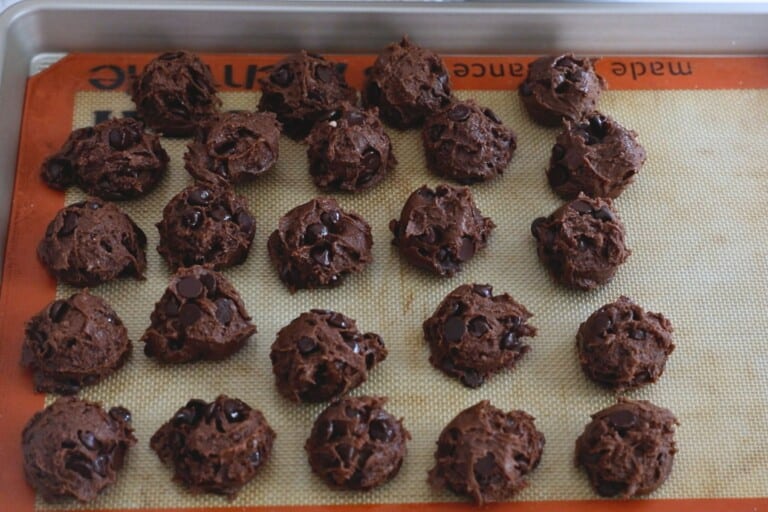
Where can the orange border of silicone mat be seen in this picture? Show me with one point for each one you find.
(26, 287)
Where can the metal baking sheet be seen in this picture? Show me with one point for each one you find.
(633, 73)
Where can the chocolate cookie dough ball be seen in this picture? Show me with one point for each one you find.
(302, 89)
(113, 160)
(486, 454)
(440, 230)
(474, 334)
(317, 243)
(174, 93)
(467, 143)
(596, 156)
(356, 444)
(628, 449)
(215, 447)
(582, 242)
(200, 316)
(349, 152)
(234, 147)
(74, 342)
(206, 224)
(621, 346)
(92, 242)
(407, 83)
(563, 86)
(74, 449)
(321, 355)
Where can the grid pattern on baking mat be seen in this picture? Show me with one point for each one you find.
(695, 222)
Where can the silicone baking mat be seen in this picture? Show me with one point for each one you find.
(696, 224)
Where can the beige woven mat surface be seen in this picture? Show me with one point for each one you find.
(696, 224)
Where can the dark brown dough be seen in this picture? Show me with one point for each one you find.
(302, 89)
(174, 93)
(74, 449)
(407, 83)
(440, 230)
(582, 242)
(621, 346)
(317, 243)
(350, 151)
(206, 224)
(467, 143)
(321, 355)
(215, 447)
(74, 342)
(596, 156)
(92, 242)
(234, 147)
(474, 334)
(356, 444)
(200, 316)
(113, 160)
(485, 454)
(628, 449)
(563, 86)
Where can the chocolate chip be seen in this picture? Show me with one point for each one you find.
(322, 256)
(346, 453)
(536, 226)
(338, 320)
(282, 76)
(120, 139)
(57, 310)
(373, 93)
(453, 329)
(172, 306)
(601, 322)
(472, 379)
(604, 214)
(371, 159)
(559, 175)
(209, 282)
(192, 218)
(233, 411)
(184, 416)
(69, 224)
(459, 113)
(224, 311)
(245, 222)
(466, 249)
(315, 232)
(509, 340)
(597, 126)
(88, 439)
(583, 243)
(330, 218)
(581, 206)
(80, 465)
(174, 345)
(200, 197)
(380, 430)
(609, 489)
(558, 152)
(120, 414)
(306, 345)
(478, 326)
(324, 74)
(484, 468)
(622, 419)
(210, 411)
(525, 89)
(354, 118)
(189, 287)
(435, 131)
(220, 214)
(255, 458)
(101, 464)
(637, 334)
(189, 314)
(483, 290)
(490, 114)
